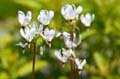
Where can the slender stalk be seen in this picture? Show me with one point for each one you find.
(72, 62)
(33, 59)
(72, 70)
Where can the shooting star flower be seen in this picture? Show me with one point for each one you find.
(23, 19)
(71, 43)
(63, 54)
(87, 19)
(48, 34)
(28, 33)
(69, 12)
(45, 16)
(80, 64)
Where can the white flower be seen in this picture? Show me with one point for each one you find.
(38, 29)
(70, 11)
(87, 19)
(48, 34)
(63, 54)
(80, 64)
(71, 43)
(28, 33)
(22, 45)
(67, 53)
(61, 57)
(45, 16)
(24, 19)
(66, 35)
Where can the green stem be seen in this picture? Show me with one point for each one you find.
(33, 59)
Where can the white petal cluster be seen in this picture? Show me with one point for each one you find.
(48, 34)
(87, 19)
(80, 63)
(45, 16)
(28, 33)
(63, 54)
(38, 29)
(23, 19)
(70, 11)
(70, 43)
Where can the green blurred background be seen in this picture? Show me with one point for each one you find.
(100, 46)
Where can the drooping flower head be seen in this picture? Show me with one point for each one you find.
(80, 64)
(38, 29)
(28, 33)
(63, 54)
(48, 34)
(45, 16)
(23, 19)
(70, 11)
(87, 19)
(71, 43)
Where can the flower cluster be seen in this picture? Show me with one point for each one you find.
(71, 13)
(28, 32)
(72, 40)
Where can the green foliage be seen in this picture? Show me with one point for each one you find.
(100, 45)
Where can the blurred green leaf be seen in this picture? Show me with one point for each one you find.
(62, 77)
(27, 68)
(4, 75)
(29, 3)
(5, 38)
(85, 35)
(101, 62)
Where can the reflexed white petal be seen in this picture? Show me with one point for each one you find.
(66, 36)
(83, 62)
(45, 16)
(29, 16)
(46, 32)
(32, 34)
(35, 26)
(58, 54)
(58, 34)
(49, 34)
(24, 20)
(79, 10)
(70, 12)
(40, 29)
(77, 61)
(70, 44)
(43, 19)
(67, 53)
(87, 19)
(22, 33)
(50, 15)
(67, 11)
(22, 45)
(60, 57)
(80, 64)
(28, 33)
(21, 17)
